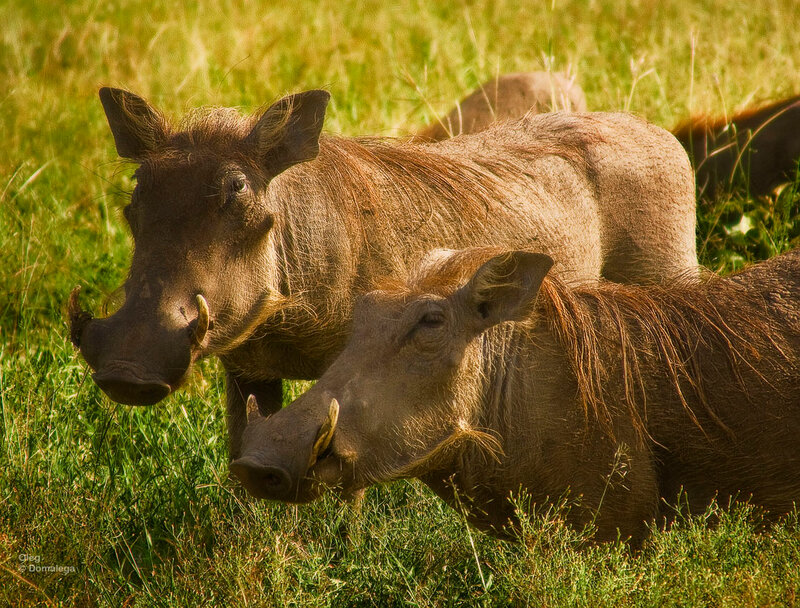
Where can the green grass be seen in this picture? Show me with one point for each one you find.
(138, 501)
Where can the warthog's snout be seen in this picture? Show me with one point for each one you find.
(271, 482)
(279, 451)
(139, 358)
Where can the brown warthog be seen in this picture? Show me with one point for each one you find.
(757, 149)
(483, 376)
(509, 96)
(252, 235)
(753, 152)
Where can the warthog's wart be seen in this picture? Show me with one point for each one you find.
(483, 376)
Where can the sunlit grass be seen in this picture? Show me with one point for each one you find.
(138, 501)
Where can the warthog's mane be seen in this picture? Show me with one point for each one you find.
(224, 129)
(383, 191)
(612, 334)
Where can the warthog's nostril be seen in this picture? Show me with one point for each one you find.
(275, 480)
(262, 481)
(271, 479)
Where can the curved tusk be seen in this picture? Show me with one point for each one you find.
(203, 321)
(325, 434)
(78, 318)
(253, 413)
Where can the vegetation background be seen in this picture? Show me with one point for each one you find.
(136, 503)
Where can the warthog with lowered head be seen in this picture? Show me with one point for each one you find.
(509, 96)
(252, 235)
(483, 375)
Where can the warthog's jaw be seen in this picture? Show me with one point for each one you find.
(334, 472)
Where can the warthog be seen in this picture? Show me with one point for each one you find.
(509, 96)
(253, 234)
(757, 149)
(483, 375)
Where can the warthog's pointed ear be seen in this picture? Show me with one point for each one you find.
(137, 127)
(505, 288)
(288, 132)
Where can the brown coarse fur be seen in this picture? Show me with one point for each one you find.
(618, 397)
(394, 199)
(701, 383)
(279, 229)
(757, 149)
(507, 97)
(722, 314)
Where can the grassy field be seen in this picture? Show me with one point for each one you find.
(105, 505)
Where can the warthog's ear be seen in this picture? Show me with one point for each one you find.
(137, 127)
(288, 132)
(505, 288)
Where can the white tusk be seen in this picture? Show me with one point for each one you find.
(325, 434)
(203, 321)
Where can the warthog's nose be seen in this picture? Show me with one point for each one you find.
(130, 390)
(262, 481)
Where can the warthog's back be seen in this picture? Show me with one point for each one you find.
(746, 443)
(606, 195)
(638, 175)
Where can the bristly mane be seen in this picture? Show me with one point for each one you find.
(374, 176)
(667, 323)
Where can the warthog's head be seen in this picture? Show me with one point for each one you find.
(204, 264)
(405, 394)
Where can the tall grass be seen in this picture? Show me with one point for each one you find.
(136, 504)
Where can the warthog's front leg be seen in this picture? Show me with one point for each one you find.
(269, 394)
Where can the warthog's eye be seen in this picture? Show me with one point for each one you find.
(235, 185)
(238, 185)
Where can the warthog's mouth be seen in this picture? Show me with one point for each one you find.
(133, 364)
(128, 383)
(294, 470)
